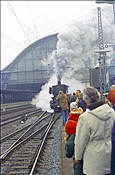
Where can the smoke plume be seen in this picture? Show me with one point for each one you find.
(75, 52)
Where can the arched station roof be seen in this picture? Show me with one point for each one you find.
(27, 71)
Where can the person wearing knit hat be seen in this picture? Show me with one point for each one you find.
(73, 105)
(70, 131)
(75, 112)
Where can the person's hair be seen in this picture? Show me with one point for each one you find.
(91, 94)
(61, 92)
(78, 90)
(80, 95)
(73, 93)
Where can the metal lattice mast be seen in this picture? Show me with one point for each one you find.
(112, 3)
(100, 31)
(102, 55)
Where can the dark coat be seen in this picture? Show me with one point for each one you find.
(114, 107)
(69, 150)
(113, 151)
(82, 104)
(69, 146)
(72, 98)
(78, 168)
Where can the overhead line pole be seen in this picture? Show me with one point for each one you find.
(101, 51)
(113, 3)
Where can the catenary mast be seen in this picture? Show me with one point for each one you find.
(112, 3)
(102, 54)
(101, 51)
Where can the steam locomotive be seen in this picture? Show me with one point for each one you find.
(54, 90)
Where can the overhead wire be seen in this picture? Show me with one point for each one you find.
(56, 29)
(21, 21)
(75, 20)
(19, 44)
(67, 24)
(18, 20)
(20, 25)
(47, 33)
(7, 47)
(16, 44)
(12, 40)
(32, 19)
(30, 13)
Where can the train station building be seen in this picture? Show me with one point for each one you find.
(27, 71)
(30, 70)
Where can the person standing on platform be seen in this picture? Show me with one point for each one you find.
(81, 103)
(113, 151)
(70, 130)
(68, 100)
(75, 112)
(77, 95)
(63, 102)
(111, 98)
(93, 134)
(73, 98)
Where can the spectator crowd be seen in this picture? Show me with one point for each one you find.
(88, 119)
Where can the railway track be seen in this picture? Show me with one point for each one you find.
(7, 106)
(18, 117)
(15, 108)
(26, 152)
(16, 111)
(10, 122)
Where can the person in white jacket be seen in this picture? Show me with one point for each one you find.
(93, 134)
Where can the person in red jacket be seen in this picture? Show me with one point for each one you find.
(75, 112)
(70, 131)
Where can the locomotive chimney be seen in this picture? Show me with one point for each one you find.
(58, 80)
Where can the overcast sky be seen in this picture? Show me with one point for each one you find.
(24, 22)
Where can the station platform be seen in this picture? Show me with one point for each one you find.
(67, 163)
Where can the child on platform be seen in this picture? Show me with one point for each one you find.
(70, 131)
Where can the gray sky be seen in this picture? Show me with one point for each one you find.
(24, 22)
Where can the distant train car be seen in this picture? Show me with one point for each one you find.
(111, 72)
(94, 76)
(54, 90)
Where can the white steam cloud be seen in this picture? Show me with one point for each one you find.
(42, 100)
(76, 51)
